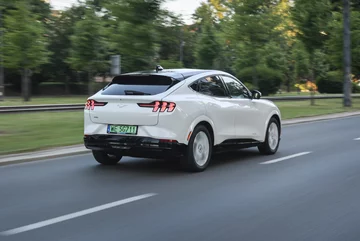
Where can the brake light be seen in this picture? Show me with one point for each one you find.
(90, 104)
(162, 105)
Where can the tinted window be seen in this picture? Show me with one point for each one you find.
(195, 86)
(236, 89)
(212, 86)
(139, 85)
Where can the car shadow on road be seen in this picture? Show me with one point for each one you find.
(173, 166)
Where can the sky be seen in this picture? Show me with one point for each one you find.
(184, 7)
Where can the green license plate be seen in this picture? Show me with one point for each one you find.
(122, 129)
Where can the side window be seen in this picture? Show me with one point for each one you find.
(195, 86)
(212, 86)
(236, 89)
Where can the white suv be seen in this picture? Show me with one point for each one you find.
(187, 113)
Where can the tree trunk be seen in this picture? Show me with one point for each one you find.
(90, 83)
(2, 83)
(312, 78)
(67, 89)
(2, 80)
(347, 55)
(312, 91)
(254, 77)
(288, 82)
(25, 85)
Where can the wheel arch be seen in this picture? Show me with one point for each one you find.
(276, 116)
(202, 120)
(209, 128)
(273, 114)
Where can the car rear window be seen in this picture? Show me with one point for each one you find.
(139, 85)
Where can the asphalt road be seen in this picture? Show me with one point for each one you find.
(315, 195)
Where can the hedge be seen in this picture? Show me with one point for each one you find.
(269, 80)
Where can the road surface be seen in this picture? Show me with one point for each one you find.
(309, 190)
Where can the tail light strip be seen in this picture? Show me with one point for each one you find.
(159, 105)
(90, 104)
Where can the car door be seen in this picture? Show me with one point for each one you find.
(219, 107)
(248, 117)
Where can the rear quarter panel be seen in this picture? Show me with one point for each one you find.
(188, 109)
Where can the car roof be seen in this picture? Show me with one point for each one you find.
(179, 74)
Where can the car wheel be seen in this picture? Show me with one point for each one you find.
(272, 139)
(199, 150)
(105, 158)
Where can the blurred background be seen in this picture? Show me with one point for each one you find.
(64, 47)
(62, 51)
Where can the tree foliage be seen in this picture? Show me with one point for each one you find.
(24, 43)
(288, 41)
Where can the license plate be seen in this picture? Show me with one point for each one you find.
(122, 129)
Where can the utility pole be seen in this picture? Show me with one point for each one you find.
(347, 55)
(2, 82)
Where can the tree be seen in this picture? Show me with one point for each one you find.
(312, 18)
(25, 44)
(170, 39)
(87, 46)
(252, 26)
(207, 47)
(132, 31)
(335, 44)
(347, 55)
(61, 29)
(38, 7)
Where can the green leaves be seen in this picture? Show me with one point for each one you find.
(25, 42)
(312, 18)
(334, 45)
(132, 32)
(86, 53)
(207, 48)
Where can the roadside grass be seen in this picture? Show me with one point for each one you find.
(35, 131)
(41, 130)
(295, 109)
(295, 93)
(12, 101)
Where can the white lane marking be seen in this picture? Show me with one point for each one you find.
(75, 215)
(285, 158)
(357, 139)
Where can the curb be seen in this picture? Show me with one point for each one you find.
(302, 120)
(80, 149)
(43, 155)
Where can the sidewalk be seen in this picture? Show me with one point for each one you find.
(45, 154)
(320, 118)
(80, 149)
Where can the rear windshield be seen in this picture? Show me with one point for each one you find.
(139, 85)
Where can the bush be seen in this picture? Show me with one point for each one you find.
(330, 83)
(74, 88)
(355, 88)
(171, 64)
(269, 80)
(249, 85)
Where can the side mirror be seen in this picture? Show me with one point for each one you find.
(256, 94)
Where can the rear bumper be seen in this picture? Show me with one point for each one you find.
(134, 146)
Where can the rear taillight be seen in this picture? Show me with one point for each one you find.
(90, 104)
(159, 105)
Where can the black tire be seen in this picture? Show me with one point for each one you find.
(265, 148)
(189, 162)
(105, 158)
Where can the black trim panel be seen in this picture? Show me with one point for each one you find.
(133, 146)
